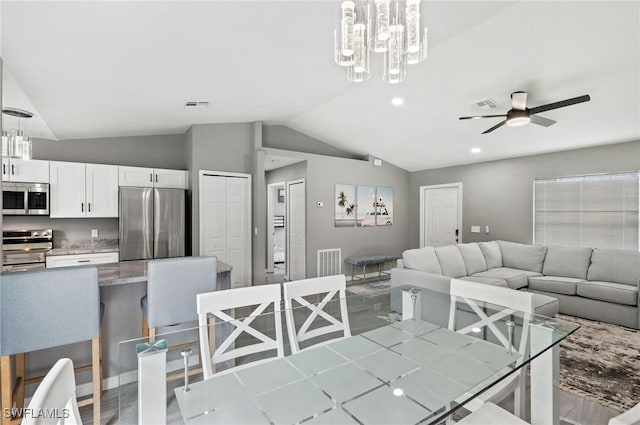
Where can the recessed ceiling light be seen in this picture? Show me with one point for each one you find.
(398, 392)
(397, 101)
(476, 150)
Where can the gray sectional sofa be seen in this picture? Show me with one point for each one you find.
(597, 284)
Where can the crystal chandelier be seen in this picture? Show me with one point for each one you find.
(15, 143)
(391, 27)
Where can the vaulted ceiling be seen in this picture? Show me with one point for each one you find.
(100, 69)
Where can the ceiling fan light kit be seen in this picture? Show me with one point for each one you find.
(391, 27)
(520, 115)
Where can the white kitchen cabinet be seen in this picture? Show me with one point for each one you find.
(152, 177)
(20, 170)
(135, 176)
(81, 259)
(83, 190)
(102, 190)
(170, 179)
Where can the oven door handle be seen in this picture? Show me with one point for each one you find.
(26, 201)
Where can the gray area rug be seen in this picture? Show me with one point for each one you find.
(372, 289)
(601, 361)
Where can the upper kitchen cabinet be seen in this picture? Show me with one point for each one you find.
(152, 177)
(83, 190)
(20, 170)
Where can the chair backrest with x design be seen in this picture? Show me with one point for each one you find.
(214, 303)
(483, 299)
(332, 286)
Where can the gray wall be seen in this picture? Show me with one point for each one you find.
(284, 174)
(162, 151)
(283, 137)
(73, 229)
(215, 147)
(322, 174)
(499, 194)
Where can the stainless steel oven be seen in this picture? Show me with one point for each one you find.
(25, 198)
(25, 249)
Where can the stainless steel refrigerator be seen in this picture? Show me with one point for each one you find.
(152, 223)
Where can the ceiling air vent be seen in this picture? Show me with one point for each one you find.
(486, 104)
(193, 104)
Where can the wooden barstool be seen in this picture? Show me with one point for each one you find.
(45, 309)
(172, 287)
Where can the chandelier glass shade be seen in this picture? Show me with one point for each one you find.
(392, 27)
(15, 143)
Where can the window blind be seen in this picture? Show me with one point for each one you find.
(598, 211)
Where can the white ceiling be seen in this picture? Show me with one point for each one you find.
(100, 69)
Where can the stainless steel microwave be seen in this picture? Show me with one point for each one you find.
(25, 198)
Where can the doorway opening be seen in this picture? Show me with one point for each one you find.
(276, 232)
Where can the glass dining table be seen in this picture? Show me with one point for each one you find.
(389, 371)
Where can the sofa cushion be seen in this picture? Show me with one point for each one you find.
(423, 259)
(515, 278)
(451, 261)
(567, 262)
(618, 293)
(492, 254)
(545, 305)
(487, 280)
(612, 265)
(522, 256)
(555, 284)
(474, 261)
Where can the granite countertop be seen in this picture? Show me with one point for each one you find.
(75, 251)
(90, 246)
(126, 272)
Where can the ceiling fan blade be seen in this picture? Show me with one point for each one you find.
(495, 127)
(482, 116)
(560, 104)
(519, 100)
(545, 122)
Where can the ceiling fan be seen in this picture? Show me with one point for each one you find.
(520, 115)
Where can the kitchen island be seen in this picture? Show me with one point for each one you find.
(135, 271)
(122, 285)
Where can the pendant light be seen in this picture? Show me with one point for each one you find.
(15, 143)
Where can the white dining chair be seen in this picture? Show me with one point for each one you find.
(215, 303)
(475, 295)
(294, 292)
(630, 417)
(55, 397)
(490, 414)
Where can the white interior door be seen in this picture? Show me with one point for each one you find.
(296, 246)
(225, 222)
(441, 215)
(239, 230)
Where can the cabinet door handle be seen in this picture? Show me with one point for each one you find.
(151, 177)
(13, 170)
(84, 261)
(4, 168)
(82, 206)
(89, 206)
(156, 178)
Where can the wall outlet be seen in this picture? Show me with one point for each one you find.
(94, 233)
(475, 229)
(486, 229)
(320, 204)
